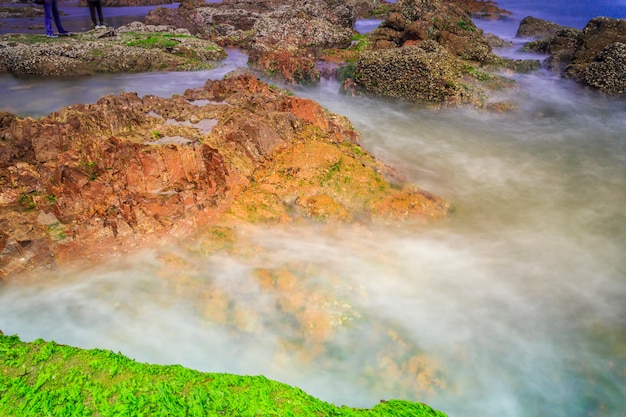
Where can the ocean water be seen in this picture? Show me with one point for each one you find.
(513, 306)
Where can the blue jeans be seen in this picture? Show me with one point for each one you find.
(50, 11)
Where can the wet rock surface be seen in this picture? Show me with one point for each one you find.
(90, 180)
(532, 27)
(452, 58)
(593, 56)
(420, 72)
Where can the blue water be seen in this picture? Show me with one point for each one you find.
(573, 13)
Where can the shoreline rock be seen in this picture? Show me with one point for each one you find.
(127, 170)
(131, 48)
(594, 56)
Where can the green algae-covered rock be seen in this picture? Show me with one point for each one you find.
(47, 379)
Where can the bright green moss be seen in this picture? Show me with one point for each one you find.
(47, 379)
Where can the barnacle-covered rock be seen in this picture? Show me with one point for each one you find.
(608, 71)
(132, 48)
(423, 72)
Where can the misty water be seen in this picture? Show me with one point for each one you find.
(512, 306)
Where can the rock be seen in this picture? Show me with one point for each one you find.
(560, 47)
(423, 72)
(592, 57)
(597, 35)
(131, 48)
(532, 27)
(497, 42)
(283, 38)
(164, 16)
(116, 174)
(486, 9)
(292, 66)
(608, 70)
(446, 47)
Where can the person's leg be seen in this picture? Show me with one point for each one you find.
(57, 17)
(92, 12)
(99, 10)
(47, 16)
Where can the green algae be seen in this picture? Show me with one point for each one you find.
(48, 379)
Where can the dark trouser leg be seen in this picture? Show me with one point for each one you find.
(57, 17)
(92, 12)
(99, 10)
(47, 17)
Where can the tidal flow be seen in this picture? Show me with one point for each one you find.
(512, 306)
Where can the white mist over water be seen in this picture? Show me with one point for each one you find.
(515, 302)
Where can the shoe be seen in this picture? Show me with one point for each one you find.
(101, 27)
(65, 33)
(51, 35)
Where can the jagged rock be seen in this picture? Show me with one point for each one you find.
(592, 56)
(487, 9)
(169, 17)
(532, 27)
(560, 47)
(127, 170)
(447, 23)
(497, 42)
(599, 33)
(445, 47)
(292, 65)
(608, 71)
(284, 37)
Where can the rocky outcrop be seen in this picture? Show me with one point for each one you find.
(287, 39)
(560, 47)
(593, 56)
(487, 9)
(132, 48)
(597, 35)
(532, 27)
(420, 72)
(428, 51)
(126, 170)
(284, 37)
(607, 71)
(415, 21)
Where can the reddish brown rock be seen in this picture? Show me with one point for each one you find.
(482, 8)
(127, 171)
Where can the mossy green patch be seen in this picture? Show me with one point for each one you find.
(47, 379)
